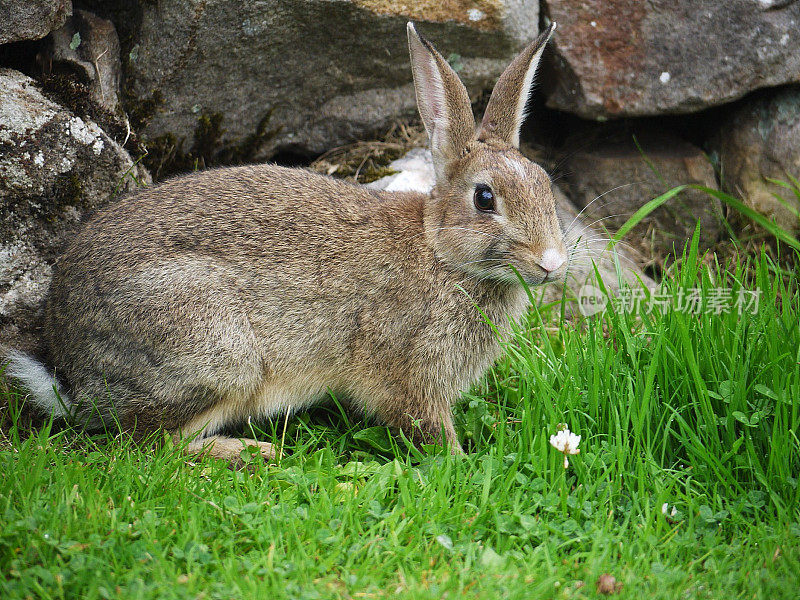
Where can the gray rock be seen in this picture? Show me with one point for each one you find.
(629, 58)
(31, 19)
(96, 56)
(761, 140)
(613, 180)
(54, 168)
(329, 70)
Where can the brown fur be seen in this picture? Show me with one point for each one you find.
(249, 291)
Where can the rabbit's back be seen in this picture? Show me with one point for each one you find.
(254, 231)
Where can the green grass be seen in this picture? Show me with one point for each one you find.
(699, 411)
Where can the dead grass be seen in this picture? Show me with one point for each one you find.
(366, 161)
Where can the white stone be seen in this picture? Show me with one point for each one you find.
(475, 14)
(415, 173)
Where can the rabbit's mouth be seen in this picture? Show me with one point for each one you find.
(537, 269)
(515, 265)
(514, 273)
(535, 274)
(543, 278)
(554, 276)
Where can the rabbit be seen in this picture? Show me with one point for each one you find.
(255, 291)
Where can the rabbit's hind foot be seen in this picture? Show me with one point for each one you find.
(230, 449)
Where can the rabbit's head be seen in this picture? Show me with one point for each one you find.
(491, 208)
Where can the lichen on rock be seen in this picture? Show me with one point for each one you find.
(481, 14)
(55, 167)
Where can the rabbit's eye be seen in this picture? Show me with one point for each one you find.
(484, 198)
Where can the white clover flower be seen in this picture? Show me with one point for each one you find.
(566, 442)
(666, 512)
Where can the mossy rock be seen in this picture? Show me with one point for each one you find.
(243, 60)
(56, 167)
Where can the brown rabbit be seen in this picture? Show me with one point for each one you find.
(252, 291)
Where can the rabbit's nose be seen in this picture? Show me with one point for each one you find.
(551, 260)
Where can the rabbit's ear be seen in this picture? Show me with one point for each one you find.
(506, 109)
(442, 100)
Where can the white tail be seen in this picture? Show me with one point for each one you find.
(43, 386)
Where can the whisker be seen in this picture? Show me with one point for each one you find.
(491, 235)
(619, 187)
(580, 258)
(479, 278)
(593, 245)
(472, 262)
(591, 237)
(593, 223)
(590, 246)
(601, 254)
(579, 252)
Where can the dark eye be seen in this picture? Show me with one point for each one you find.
(484, 198)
